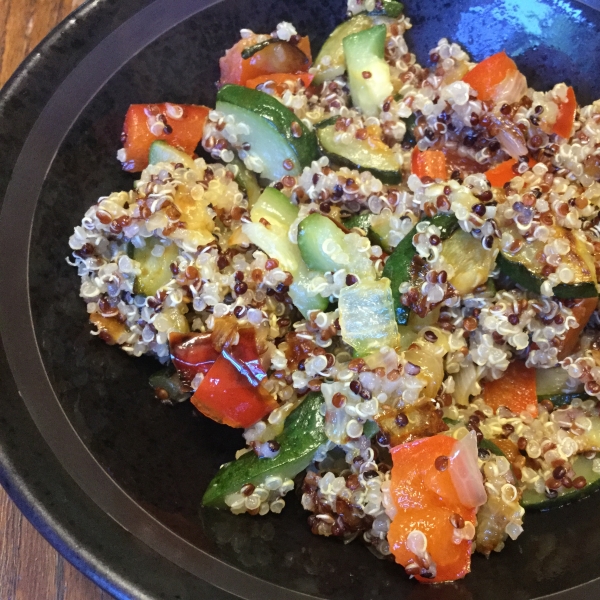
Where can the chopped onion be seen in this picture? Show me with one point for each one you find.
(511, 89)
(509, 136)
(465, 384)
(465, 473)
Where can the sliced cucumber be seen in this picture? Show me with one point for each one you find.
(368, 73)
(273, 239)
(246, 181)
(471, 262)
(273, 130)
(162, 152)
(367, 316)
(365, 155)
(325, 247)
(397, 267)
(330, 62)
(532, 500)
(155, 270)
(303, 433)
(525, 267)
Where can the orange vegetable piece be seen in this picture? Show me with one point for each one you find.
(280, 79)
(503, 173)
(430, 163)
(509, 449)
(231, 393)
(426, 499)
(184, 133)
(235, 69)
(109, 329)
(566, 115)
(582, 311)
(485, 76)
(516, 389)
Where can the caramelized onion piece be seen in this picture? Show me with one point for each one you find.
(509, 136)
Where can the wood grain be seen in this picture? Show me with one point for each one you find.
(30, 569)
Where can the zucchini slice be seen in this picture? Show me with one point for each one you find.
(368, 73)
(302, 435)
(325, 247)
(533, 500)
(155, 270)
(525, 266)
(397, 268)
(365, 155)
(471, 262)
(273, 131)
(246, 181)
(551, 384)
(279, 213)
(376, 227)
(162, 152)
(389, 8)
(330, 62)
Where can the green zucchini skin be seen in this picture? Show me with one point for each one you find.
(491, 447)
(389, 8)
(532, 500)
(163, 152)
(559, 400)
(364, 51)
(361, 221)
(302, 435)
(520, 274)
(397, 267)
(247, 182)
(252, 50)
(169, 381)
(282, 118)
(334, 50)
(364, 222)
(348, 155)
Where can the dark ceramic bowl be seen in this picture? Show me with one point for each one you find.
(109, 476)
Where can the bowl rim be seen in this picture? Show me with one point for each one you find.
(42, 141)
(40, 144)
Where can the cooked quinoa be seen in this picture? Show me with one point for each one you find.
(470, 319)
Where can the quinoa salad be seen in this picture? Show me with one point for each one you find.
(384, 274)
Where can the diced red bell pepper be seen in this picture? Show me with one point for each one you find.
(516, 390)
(231, 393)
(583, 309)
(238, 70)
(566, 115)
(146, 123)
(192, 353)
(503, 173)
(426, 500)
(279, 79)
(486, 75)
(430, 163)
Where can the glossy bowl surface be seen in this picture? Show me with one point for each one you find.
(112, 478)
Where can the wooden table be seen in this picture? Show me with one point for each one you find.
(30, 569)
